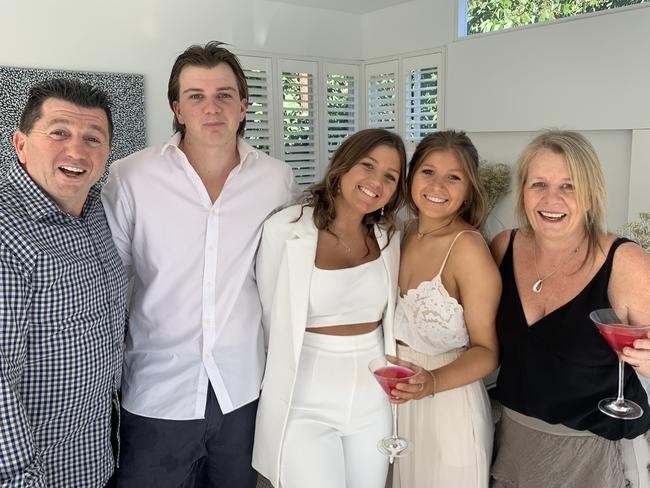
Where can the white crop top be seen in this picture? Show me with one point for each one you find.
(428, 319)
(348, 296)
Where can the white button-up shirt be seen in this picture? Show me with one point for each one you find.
(195, 315)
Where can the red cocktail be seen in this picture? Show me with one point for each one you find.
(388, 375)
(619, 336)
(616, 327)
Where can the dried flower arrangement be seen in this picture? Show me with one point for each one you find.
(495, 178)
(638, 231)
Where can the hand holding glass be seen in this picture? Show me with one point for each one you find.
(388, 375)
(617, 329)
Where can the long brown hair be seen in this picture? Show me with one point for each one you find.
(321, 195)
(474, 211)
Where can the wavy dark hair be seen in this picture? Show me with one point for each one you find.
(72, 91)
(321, 195)
(474, 210)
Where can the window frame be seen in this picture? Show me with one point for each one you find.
(461, 20)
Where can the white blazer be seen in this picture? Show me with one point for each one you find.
(284, 265)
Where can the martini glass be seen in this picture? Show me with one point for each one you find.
(619, 331)
(388, 375)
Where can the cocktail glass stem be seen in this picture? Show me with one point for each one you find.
(620, 401)
(394, 407)
(619, 407)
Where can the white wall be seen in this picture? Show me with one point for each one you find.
(587, 74)
(412, 26)
(590, 74)
(145, 36)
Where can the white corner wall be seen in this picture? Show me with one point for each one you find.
(589, 74)
(145, 36)
(411, 26)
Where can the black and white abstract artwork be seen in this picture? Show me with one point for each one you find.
(126, 92)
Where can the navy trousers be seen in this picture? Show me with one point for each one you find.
(214, 452)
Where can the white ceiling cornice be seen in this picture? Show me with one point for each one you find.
(350, 6)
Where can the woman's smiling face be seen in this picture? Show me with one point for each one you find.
(440, 185)
(550, 199)
(372, 181)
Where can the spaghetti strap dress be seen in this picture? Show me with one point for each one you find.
(451, 433)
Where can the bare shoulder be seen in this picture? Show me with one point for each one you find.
(472, 265)
(630, 269)
(471, 251)
(631, 258)
(499, 245)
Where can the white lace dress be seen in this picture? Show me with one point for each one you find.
(451, 433)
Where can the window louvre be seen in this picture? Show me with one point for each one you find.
(422, 88)
(341, 104)
(259, 115)
(299, 115)
(382, 95)
(421, 103)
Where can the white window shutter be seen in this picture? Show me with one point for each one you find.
(421, 96)
(341, 102)
(300, 119)
(382, 101)
(259, 116)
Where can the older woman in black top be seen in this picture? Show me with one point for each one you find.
(555, 367)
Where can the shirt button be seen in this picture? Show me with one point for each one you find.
(210, 247)
(209, 284)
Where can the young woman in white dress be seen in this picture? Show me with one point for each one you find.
(445, 319)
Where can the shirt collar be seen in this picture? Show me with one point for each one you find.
(246, 152)
(37, 203)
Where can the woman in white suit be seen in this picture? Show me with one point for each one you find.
(327, 275)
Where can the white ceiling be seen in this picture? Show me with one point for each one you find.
(351, 6)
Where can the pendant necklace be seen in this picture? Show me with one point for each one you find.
(420, 235)
(345, 246)
(537, 287)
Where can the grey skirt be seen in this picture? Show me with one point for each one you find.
(530, 453)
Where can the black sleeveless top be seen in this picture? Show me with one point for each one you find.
(560, 367)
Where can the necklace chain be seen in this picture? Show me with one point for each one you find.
(346, 246)
(539, 284)
(348, 249)
(420, 235)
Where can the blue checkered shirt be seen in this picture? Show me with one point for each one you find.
(62, 318)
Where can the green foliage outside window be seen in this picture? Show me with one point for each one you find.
(492, 15)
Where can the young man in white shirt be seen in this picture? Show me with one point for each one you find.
(186, 217)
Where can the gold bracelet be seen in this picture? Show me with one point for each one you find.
(433, 377)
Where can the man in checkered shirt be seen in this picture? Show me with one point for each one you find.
(62, 300)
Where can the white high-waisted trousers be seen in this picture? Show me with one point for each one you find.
(338, 414)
